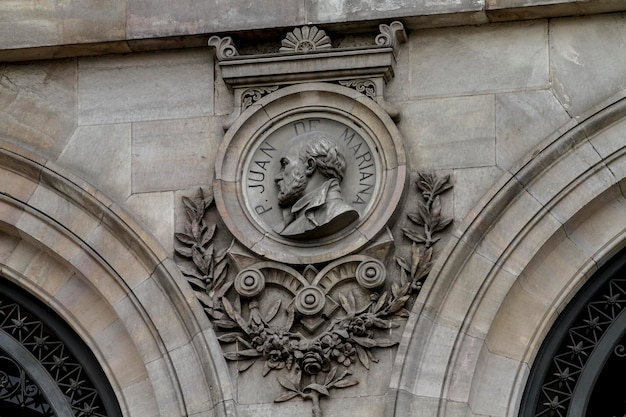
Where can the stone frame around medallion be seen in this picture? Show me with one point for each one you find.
(325, 100)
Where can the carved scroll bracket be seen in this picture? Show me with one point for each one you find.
(306, 55)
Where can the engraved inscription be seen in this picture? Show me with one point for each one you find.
(262, 173)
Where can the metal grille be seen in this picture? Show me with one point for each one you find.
(53, 355)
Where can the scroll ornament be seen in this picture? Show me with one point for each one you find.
(310, 328)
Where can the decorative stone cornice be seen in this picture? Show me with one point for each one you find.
(306, 55)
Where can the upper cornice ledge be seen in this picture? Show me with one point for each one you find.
(135, 26)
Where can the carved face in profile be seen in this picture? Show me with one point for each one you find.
(291, 178)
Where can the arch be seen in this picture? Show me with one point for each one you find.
(510, 267)
(70, 246)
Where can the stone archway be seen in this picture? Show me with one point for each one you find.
(77, 251)
(511, 267)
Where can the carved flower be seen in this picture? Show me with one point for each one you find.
(276, 351)
(359, 327)
(305, 39)
(312, 359)
(345, 353)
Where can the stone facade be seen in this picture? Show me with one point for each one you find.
(112, 117)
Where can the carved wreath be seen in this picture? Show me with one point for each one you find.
(316, 334)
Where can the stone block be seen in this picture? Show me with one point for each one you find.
(48, 273)
(449, 132)
(148, 18)
(587, 59)
(135, 323)
(115, 345)
(118, 256)
(174, 154)
(71, 216)
(99, 276)
(139, 399)
(85, 305)
(523, 120)
(495, 376)
(470, 184)
(156, 211)
(345, 10)
(101, 155)
(167, 393)
(145, 86)
(162, 314)
(32, 23)
(482, 59)
(38, 104)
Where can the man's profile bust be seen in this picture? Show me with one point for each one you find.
(311, 170)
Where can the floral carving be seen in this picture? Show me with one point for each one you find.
(252, 95)
(429, 221)
(366, 87)
(305, 39)
(318, 327)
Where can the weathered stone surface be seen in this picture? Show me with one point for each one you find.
(101, 156)
(174, 154)
(156, 211)
(479, 59)
(154, 19)
(449, 133)
(587, 60)
(38, 23)
(470, 184)
(523, 120)
(146, 86)
(38, 104)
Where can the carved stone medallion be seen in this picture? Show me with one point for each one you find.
(262, 177)
(310, 173)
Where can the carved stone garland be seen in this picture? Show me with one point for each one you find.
(309, 327)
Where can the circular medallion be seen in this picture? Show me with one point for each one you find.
(310, 173)
(278, 192)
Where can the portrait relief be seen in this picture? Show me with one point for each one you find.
(310, 179)
(312, 168)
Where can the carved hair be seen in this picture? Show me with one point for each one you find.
(328, 158)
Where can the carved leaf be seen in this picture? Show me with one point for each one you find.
(247, 353)
(285, 396)
(331, 375)
(226, 324)
(287, 384)
(272, 311)
(229, 337)
(228, 307)
(317, 387)
(197, 283)
(364, 341)
(348, 382)
(185, 238)
(416, 218)
(345, 303)
(363, 357)
(244, 365)
(398, 303)
(204, 298)
(414, 236)
(183, 251)
(208, 235)
(442, 224)
(380, 303)
(402, 264)
(189, 271)
(385, 342)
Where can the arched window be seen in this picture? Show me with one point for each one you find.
(580, 368)
(45, 368)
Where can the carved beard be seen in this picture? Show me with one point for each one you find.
(291, 188)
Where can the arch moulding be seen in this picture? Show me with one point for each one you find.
(113, 283)
(510, 268)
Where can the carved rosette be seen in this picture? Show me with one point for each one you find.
(305, 39)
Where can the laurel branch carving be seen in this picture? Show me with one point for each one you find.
(311, 328)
